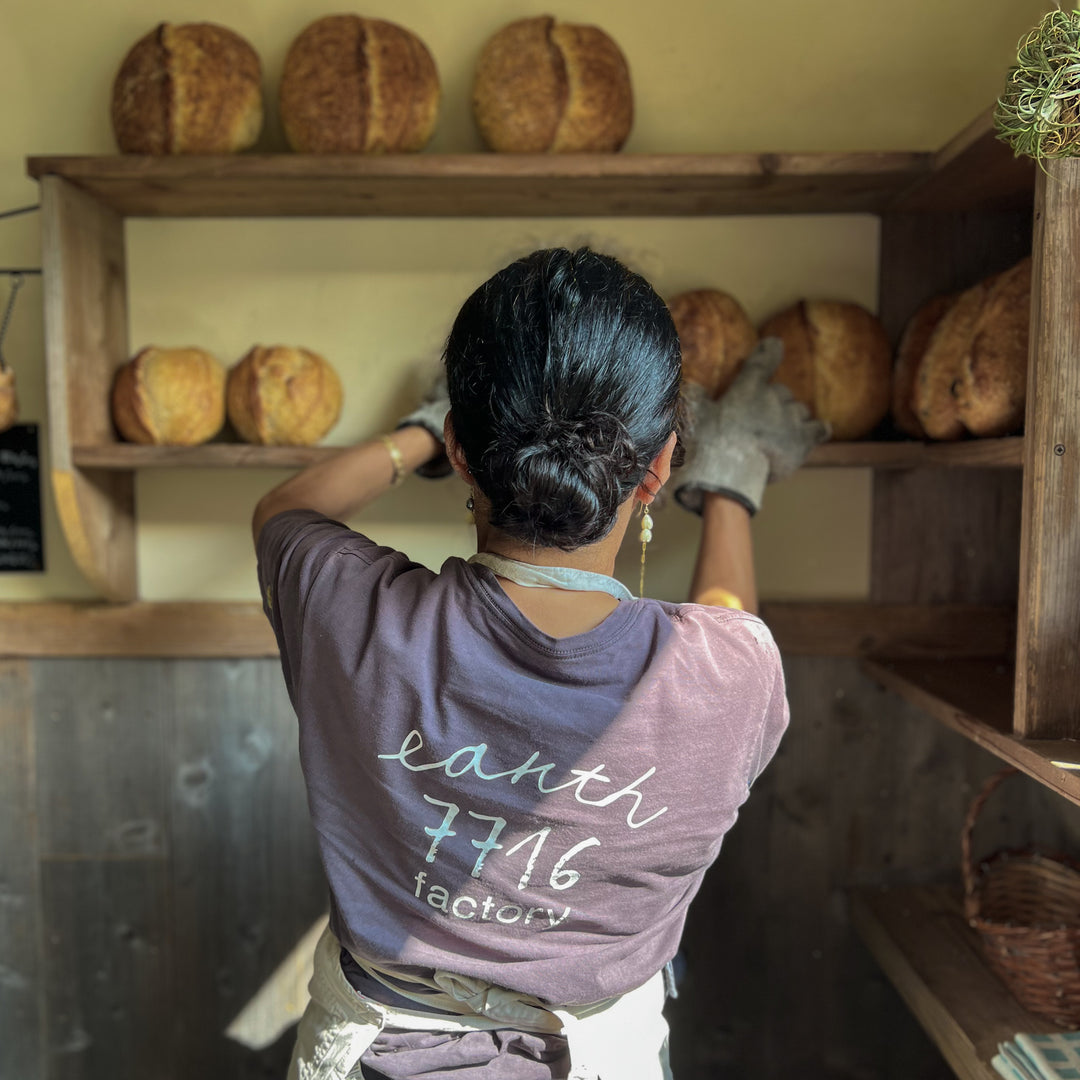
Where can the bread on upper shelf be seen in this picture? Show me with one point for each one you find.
(542, 85)
(837, 362)
(358, 86)
(194, 88)
(279, 395)
(169, 397)
(969, 374)
(715, 336)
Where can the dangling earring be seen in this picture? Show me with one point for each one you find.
(470, 505)
(646, 536)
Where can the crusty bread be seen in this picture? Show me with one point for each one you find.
(283, 396)
(938, 376)
(909, 354)
(715, 336)
(169, 397)
(545, 86)
(992, 390)
(9, 401)
(358, 86)
(836, 361)
(195, 88)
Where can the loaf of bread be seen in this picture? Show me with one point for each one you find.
(992, 391)
(169, 397)
(9, 401)
(909, 354)
(715, 336)
(283, 396)
(358, 86)
(837, 362)
(972, 376)
(189, 89)
(546, 86)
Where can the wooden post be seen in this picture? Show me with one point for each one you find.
(85, 341)
(1048, 627)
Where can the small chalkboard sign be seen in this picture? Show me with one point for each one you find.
(21, 546)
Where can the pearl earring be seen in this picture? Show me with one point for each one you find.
(646, 536)
(470, 505)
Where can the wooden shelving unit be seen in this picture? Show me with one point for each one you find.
(85, 201)
(919, 937)
(975, 545)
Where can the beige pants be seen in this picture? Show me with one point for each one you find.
(626, 1039)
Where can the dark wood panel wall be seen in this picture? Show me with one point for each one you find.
(157, 864)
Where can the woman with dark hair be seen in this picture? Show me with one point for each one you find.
(518, 773)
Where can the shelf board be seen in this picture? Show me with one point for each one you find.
(490, 185)
(219, 629)
(1005, 453)
(975, 698)
(920, 939)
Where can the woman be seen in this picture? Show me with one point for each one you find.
(518, 774)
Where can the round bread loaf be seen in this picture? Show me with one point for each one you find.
(283, 396)
(715, 336)
(169, 397)
(938, 373)
(909, 354)
(9, 401)
(189, 89)
(358, 86)
(836, 361)
(546, 86)
(992, 390)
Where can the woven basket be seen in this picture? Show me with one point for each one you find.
(1025, 907)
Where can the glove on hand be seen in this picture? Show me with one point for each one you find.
(430, 415)
(757, 432)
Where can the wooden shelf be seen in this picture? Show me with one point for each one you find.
(193, 628)
(489, 185)
(992, 453)
(934, 959)
(974, 697)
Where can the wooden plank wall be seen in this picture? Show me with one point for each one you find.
(158, 863)
(175, 861)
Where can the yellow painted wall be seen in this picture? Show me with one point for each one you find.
(377, 297)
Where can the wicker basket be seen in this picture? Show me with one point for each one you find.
(1025, 906)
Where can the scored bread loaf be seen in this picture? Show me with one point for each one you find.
(992, 391)
(837, 362)
(169, 397)
(283, 396)
(909, 354)
(358, 86)
(542, 86)
(195, 88)
(972, 376)
(715, 336)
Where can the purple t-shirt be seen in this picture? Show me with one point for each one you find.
(533, 811)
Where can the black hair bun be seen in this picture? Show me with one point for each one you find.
(563, 373)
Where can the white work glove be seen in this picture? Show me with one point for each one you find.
(430, 415)
(756, 433)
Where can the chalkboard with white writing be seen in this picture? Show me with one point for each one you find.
(21, 547)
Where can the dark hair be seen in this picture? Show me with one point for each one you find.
(564, 374)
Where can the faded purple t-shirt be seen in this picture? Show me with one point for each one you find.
(533, 811)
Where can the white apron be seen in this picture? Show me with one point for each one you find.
(624, 1038)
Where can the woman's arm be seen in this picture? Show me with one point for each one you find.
(725, 562)
(343, 484)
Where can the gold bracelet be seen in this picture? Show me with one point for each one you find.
(396, 459)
